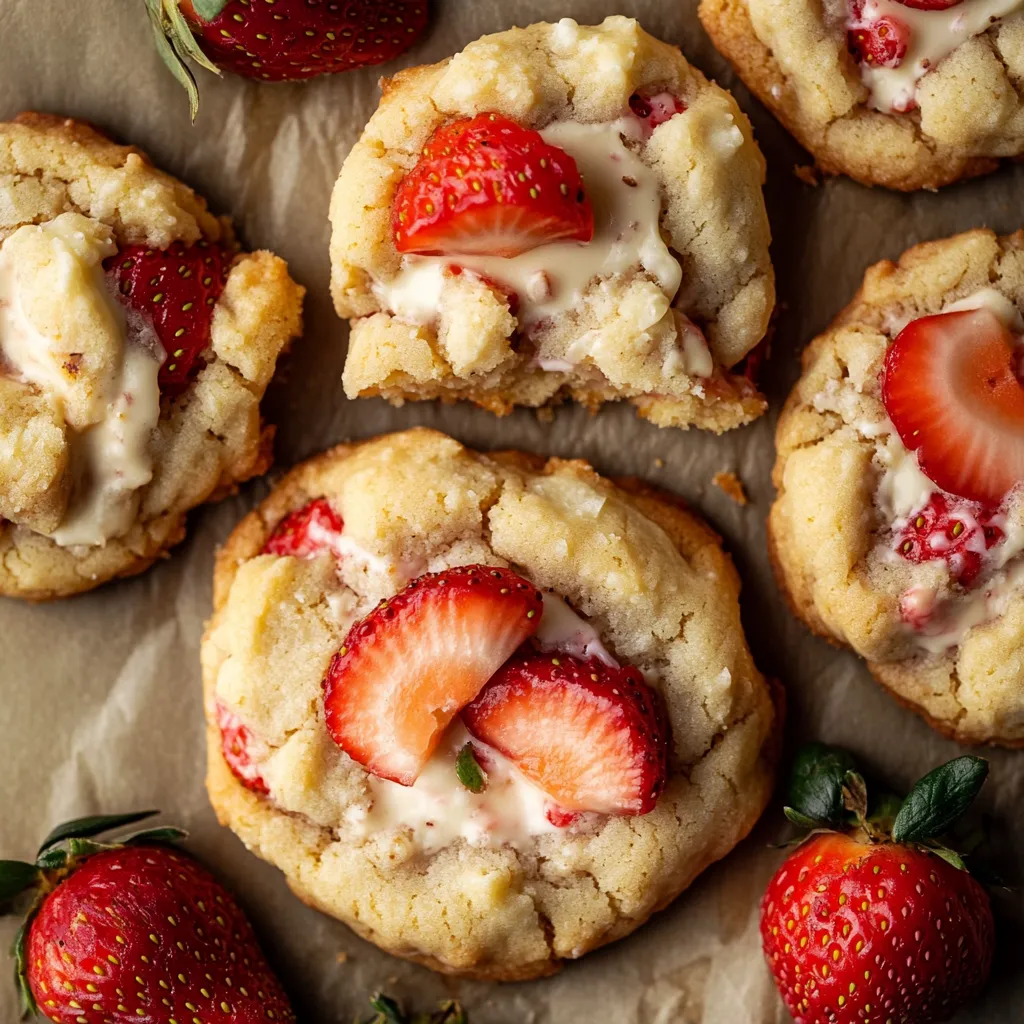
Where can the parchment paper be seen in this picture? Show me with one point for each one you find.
(100, 697)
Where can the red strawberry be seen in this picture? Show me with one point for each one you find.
(175, 290)
(593, 737)
(656, 109)
(312, 530)
(282, 40)
(486, 185)
(883, 924)
(561, 818)
(239, 744)
(138, 932)
(409, 667)
(959, 532)
(952, 390)
(881, 43)
(930, 5)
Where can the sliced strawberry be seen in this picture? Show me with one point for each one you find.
(656, 109)
(174, 290)
(952, 390)
(240, 748)
(930, 5)
(593, 737)
(882, 43)
(408, 668)
(959, 532)
(560, 817)
(486, 185)
(315, 529)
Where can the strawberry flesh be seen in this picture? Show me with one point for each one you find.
(951, 388)
(593, 737)
(174, 290)
(958, 532)
(238, 744)
(657, 109)
(855, 932)
(145, 933)
(881, 43)
(486, 185)
(315, 529)
(930, 5)
(288, 40)
(408, 668)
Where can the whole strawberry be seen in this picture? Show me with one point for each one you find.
(282, 40)
(881, 923)
(135, 930)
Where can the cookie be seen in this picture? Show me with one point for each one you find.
(136, 342)
(638, 622)
(556, 212)
(906, 95)
(898, 529)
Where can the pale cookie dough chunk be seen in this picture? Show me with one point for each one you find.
(136, 342)
(614, 245)
(490, 795)
(898, 529)
(904, 95)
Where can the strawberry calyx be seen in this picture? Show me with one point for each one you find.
(59, 855)
(827, 793)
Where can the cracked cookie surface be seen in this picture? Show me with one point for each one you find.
(950, 109)
(650, 578)
(621, 333)
(851, 501)
(81, 410)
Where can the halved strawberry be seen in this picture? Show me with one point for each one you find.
(408, 668)
(881, 43)
(656, 109)
(593, 737)
(487, 185)
(240, 746)
(959, 532)
(951, 388)
(175, 290)
(315, 529)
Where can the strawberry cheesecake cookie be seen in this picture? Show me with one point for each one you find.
(899, 524)
(908, 94)
(489, 711)
(136, 342)
(556, 212)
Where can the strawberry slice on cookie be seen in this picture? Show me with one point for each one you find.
(408, 668)
(593, 737)
(952, 387)
(315, 529)
(486, 185)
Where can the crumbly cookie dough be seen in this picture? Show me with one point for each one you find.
(838, 473)
(624, 338)
(648, 575)
(62, 180)
(966, 114)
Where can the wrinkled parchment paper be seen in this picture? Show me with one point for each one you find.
(100, 695)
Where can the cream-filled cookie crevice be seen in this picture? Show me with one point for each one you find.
(926, 585)
(500, 889)
(674, 289)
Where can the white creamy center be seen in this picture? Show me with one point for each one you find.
(551, 279)
(933, 35)
(63, 332)
(437, 809)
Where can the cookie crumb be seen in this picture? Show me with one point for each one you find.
(342, 958)
(731, 484)
(807, 173)
(659, 463)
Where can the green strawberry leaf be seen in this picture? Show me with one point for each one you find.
(82, 828)
(181, 38)
(468, 770)
(52, 859)
(388, 1011)
(450, 1012)
(939, 799)
(25, 997)
(816, 783)
(855, 795)
(208, 9)
(161, 834)
(15, 877)
(798, 819)
(170, 55)
(949, 856)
